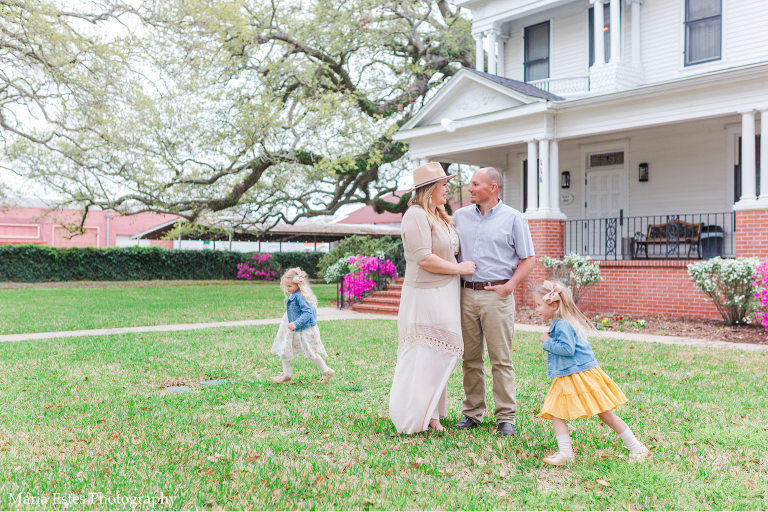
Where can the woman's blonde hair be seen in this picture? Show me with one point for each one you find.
(568, 310)
(299, 277)
(421, 197)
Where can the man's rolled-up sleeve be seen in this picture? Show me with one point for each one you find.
(522, 239)
(417, 235)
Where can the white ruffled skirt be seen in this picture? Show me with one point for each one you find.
(289, 344)
(430, 347)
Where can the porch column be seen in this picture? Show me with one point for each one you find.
(763, 155)
(479, 54)
(544, 183)
(501, 41)
(554, 176)
(599, 33)
(748, 170)
(615, 30)
(533, 180)
(492, 50)
(635, 31)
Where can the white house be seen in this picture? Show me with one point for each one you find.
(688, 78)
(653, 128)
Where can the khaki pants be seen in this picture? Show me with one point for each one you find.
(486, 314)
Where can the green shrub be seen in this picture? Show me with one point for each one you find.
(33, 263)
(353, 245)
(307, 261)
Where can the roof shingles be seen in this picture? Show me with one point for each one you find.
(521, 87)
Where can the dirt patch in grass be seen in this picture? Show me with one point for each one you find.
(668, 326)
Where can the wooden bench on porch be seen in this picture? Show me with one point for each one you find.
(672, 234)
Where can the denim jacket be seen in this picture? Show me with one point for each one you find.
(300, 312)
(568, 352)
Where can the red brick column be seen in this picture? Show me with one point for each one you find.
(752, 233)
(548, 240)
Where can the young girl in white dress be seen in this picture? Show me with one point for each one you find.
(298, 333)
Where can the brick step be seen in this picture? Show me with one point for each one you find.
(388, 293)
(393, 287)
(391, 301)
(375, 308)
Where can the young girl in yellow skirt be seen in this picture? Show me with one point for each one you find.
(580, 389)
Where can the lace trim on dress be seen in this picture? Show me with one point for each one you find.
(431, 336)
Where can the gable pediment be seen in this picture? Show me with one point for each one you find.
(466, 95)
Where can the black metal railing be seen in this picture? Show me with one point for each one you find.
(685, 236)
(373, 274)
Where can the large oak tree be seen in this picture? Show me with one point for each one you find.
(248, 110)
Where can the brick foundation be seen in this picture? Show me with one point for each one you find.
(752, 233)
(634, 287)
(648, 288)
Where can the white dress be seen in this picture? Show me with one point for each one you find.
(289, 344)
(430, 346)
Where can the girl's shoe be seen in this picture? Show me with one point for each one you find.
(326, 376)
(640, 455)
(558, 459)
(281, 378)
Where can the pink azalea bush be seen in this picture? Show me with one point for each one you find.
(358, 283)
(258, 268)
(760, 282)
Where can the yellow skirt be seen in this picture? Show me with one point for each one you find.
(581, 395)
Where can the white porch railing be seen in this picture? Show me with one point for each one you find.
(566, 87)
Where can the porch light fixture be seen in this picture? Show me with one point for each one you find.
(565, 179)
(643, 172)
(448, 125)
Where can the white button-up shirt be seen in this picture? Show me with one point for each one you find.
(495, 242)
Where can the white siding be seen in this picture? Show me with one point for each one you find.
(513, 56)
(569, 46)
(745, 39)
(689, 171)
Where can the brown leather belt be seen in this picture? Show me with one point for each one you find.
(481, 286)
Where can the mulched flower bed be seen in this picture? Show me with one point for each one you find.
(667, 326)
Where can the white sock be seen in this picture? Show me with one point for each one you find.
(287, 369)
(320, 364)
(564, 445)
(630, 441)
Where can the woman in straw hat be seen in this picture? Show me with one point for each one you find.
(429, 321)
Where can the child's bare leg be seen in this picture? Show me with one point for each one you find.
(561, 427)
(619, 426)
(564, 444)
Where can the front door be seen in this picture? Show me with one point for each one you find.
(603, 211)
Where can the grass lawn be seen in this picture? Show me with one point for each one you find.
(65, 309)
(87, 415)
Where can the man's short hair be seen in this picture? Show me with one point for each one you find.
(493, 176)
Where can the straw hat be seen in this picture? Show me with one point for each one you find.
(427, 174)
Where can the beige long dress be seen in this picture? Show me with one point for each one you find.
(430, 347)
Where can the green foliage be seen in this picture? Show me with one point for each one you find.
(575, 271)
(728, 283)
(307, 261)
(32, 263)
(353, 245)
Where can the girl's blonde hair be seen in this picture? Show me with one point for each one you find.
(568, 310)
(299, 277)
(421, 197)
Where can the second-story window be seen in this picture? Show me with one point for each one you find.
(537, 52)
(703, 22)
(606, 33)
